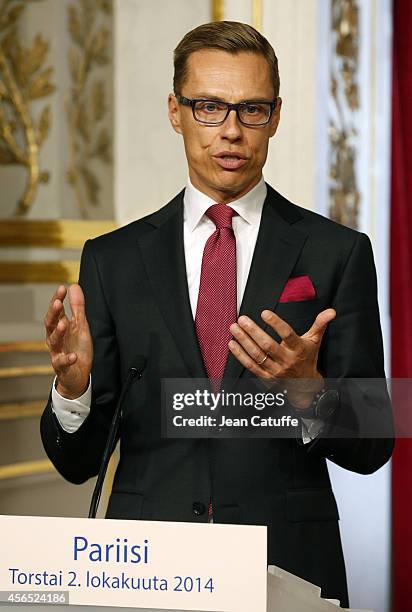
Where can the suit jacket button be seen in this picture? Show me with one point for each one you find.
(198, 508)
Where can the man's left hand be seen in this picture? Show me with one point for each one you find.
(294, 358)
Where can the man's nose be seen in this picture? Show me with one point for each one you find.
(232, 128)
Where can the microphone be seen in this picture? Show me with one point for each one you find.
(135, 371)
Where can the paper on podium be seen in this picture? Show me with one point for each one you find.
(289, 593)
(300, 584)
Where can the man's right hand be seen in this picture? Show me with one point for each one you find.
(69, 341)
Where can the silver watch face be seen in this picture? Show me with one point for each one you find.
(327, 404)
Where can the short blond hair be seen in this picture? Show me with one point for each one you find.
(230, 36)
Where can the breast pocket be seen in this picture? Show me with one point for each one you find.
(307, 309)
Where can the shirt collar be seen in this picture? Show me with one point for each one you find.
(249, 206)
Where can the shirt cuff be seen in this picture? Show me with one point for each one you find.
(311, 428)
(71, 413)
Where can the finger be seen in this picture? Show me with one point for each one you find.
(287, 334)
(59, 294)
(245, 359)
(62, 361)
(315, 333)
(55, 310)
(254, 341)
(55, 340)
(77, 303)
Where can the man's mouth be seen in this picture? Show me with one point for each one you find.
(230, 161)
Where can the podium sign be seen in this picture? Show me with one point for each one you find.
(138, 564)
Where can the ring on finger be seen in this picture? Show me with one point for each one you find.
(262, 361)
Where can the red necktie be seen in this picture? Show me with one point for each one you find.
(217, 301)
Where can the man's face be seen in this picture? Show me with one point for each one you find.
(217, 75)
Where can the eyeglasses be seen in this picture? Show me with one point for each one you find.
(214, 112)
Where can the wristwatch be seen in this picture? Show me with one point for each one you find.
(323, 406)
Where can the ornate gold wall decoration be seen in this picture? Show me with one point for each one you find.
(23, 78)
(53, 272)
(257, 14)
(62, 233)
(218, 10)
(86, 105)
(344, 191)
(21, 410)
(26, 468)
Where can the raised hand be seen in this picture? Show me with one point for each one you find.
(69, 341)
(294, 360)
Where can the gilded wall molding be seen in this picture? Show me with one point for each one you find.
(21, 371)
(23, 79)
(86, 107)
(257, 14)
(53, 272)
(21, 410)
(218, 10)
(26, 468)
(26, 346)
(344, 192)
(60, 233)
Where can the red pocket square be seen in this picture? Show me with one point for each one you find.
(298, 289)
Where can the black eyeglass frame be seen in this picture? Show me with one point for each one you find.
(192, 102)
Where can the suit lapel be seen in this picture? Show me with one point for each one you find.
(277, 249)
(162, 251)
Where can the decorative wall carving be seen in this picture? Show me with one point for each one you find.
(86, 106)
(257, 14)
(218, 10)
(23, 78)
(343, 133)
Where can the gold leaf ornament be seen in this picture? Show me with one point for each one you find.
(6, 157)
(98, 102)
(23, 78)
(99, 46)
(83, 124)
(89, 138)
(40, 86)
(35, 57)
(102, 148)
(104, 5)
(9, 41)
(44, 125)
(74, 25)
(91, 184)
(11, 16)
(73, 63)
(343, 189)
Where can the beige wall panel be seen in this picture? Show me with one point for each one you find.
(55, 199)
(150, 162)
(238, 10)
(291, 28)
(47, 495)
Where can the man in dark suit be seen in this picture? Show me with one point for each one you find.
(231, 280)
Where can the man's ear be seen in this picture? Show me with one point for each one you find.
(174, 113)
(274, 122)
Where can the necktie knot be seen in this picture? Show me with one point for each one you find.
(221, 215)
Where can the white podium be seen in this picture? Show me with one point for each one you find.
(83, 564)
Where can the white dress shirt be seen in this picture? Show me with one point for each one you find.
(197, 228)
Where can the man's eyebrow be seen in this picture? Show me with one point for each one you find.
(208, 96)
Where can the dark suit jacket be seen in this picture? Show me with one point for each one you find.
(137, 301)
